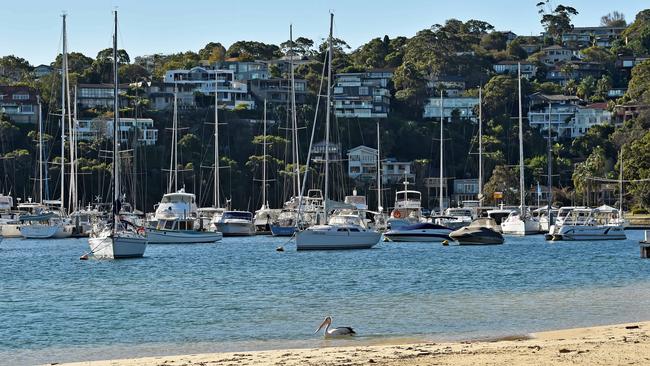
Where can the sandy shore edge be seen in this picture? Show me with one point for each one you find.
(618, 344)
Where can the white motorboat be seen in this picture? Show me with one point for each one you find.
(477, 234)
(455, 218)
(176, 219)
(341, 232)
(45, 225)
(420, 232)
(234, 223)
(590, 224)
(516, 224)
(9, 220)
(264, 219)
(117, 239)
(408, 208)
(562, 214)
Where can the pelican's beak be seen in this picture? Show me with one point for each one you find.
(321, 326)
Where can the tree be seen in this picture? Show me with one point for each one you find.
(503, 179)
(613, 19)
(556, 21)
(252, 50)
(13, 68)
(603, 86)
(77, 62)
(637, 36)
(494, 41)
(130, 73)
(213, 52)
(639, 86)
(587, 87)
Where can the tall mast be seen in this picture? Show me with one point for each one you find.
(72, 204)
(116, 126)
(442, 118)
(264, 205)
(173, 161)
(327, 114)
(64, 74)
(379, 208)
(294, 119)
(40, 150)
(217, 199)
(549, 157)
(620, 183)
(480, 144)
(522, 195)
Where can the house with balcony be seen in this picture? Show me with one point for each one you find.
(528, 69)
(579, 70)
(556, 54)
(141, 129)
(319, 149)
(588, 116)
(558, 109)
(432, 184)
(100, 96)
(246, 70)
(203, 81)
(582, 37)
(362, 163)
(461, 107)
(453, 86)
(464, 190)
(277, 90)
(19, 103)
(531, 48)
(395, 172)
(362, 94)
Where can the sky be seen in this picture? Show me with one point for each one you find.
(32, 28)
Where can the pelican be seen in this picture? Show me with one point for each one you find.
(334, 332)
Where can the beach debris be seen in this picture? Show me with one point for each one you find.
(372, 361)
(566, 350)
(632, 327)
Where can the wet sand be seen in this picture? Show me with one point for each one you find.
(621, 344)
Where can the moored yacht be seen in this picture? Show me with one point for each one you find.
(590, 224)
(420, 232)
(455, 218)
(233, 223)
(408, 208)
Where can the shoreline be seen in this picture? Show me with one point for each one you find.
(627, 343)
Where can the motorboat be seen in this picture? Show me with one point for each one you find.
(590, 224)
(285, 224)
(264, 218)
(176, 220)
(341, 232)
(408, 208)
(455, 218)
(499, 214)
(562, 214)
(486, 222)
(83, 221)
(233, 223)
(476, 234)
(541, 215)
(45, 224)
(420, 232)
(9, 220)
(518, 224)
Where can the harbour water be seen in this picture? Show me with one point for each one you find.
(240, 294)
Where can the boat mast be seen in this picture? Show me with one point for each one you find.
(442, 117)
(40, 150)
(72, 204)
(327, 114)
(217, 200)
(116, 146)
(173, 161)
(480, 144)
(522, 196)
(379, 208)
(64, 74)
(549, 167)
(264, 205)
(294, 119)
(620, 184)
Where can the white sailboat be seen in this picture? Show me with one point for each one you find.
(55, 226)
(118, 238)
(265, 216)
(520, 222)
(340, 232)
(176, 215)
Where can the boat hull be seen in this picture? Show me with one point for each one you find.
(155, 236)
(520, 227)
(593, 233)
(236, 228)
(476, 236)
(336, 240)
(10, 231)
(404, 236)
(119, 247)
(277, 230)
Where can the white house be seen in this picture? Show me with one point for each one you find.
(232, 93)
(362, 163)
(393, 171)
(589, 116)
(89, 129)
(465, 107)
(556, 54)
(528, 69)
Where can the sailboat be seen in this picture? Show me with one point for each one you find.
(265, 216)
(520, 222)
(118, 238)
(176, 216)
(340, 232)
(50, 222)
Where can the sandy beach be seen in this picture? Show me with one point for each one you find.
(621, 344)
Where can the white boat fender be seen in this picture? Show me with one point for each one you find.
(279, 249)
(445, 243)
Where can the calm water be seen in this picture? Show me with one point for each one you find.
(241, 294)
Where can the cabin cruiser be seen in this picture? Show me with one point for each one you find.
(175, 222)
(264, 218)
(455, 218)
(285, 224)
(83, 221)
(343, 231)
(420, 232)
(9, 220)
(233, 223)
(408, 208)
(562, 213)
(499, 214)
(45, 221)
(541, 215)
(590, 224)
(476, 234)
